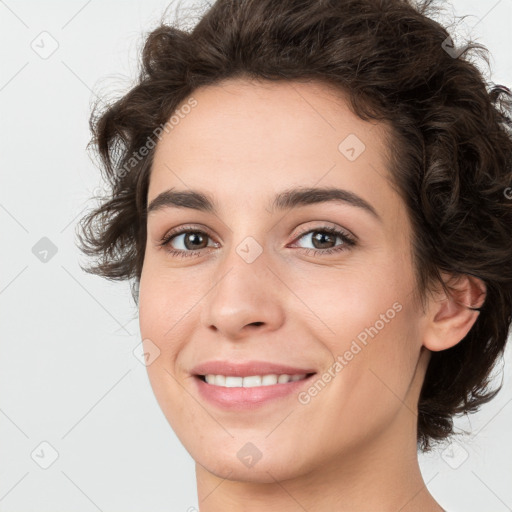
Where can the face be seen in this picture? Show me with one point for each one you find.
(265, 281)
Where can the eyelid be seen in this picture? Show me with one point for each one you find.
(302, 231)
(184, 228)
(349, 240)
(325, 224)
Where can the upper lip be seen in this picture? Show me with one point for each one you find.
(247, 368)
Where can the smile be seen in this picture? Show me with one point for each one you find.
(238, 394)
(251, 381)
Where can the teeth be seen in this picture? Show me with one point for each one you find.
(251, 381)
(219, 380)
(233, 382)
(269, 380)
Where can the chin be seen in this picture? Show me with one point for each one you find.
(262, 472)
(244, 461)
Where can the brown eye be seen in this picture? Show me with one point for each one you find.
(188, 240)
(194, 240)
(185, 242)
(323, 240)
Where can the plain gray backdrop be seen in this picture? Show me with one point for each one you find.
(80, 428)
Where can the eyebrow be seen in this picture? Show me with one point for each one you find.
(286, 200)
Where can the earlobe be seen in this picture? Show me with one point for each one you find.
(450, 316)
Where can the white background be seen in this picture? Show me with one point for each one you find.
(68, 375)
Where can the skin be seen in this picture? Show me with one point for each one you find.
(353, 446)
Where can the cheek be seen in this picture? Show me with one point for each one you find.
(169, 303)
(360, 301)
(160, 311)
(161, 315)
(152, 306)
(369, 325)
(161, 301)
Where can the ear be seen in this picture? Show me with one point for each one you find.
(449, 317)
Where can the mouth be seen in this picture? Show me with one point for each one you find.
(251, 381)
(247, 385)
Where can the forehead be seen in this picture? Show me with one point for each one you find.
(246, 140)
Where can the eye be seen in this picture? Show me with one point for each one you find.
(323, 237)
(191, 241)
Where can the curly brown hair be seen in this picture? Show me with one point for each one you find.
(450, 149)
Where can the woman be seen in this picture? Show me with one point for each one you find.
(310, 198)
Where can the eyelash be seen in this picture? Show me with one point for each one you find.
(348, 241)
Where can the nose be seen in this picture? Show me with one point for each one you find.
(244, 294)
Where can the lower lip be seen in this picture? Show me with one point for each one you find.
(247, 398)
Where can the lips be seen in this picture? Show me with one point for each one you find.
(238, 399)
(248, 368)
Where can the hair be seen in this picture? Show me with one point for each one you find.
(450, 150)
